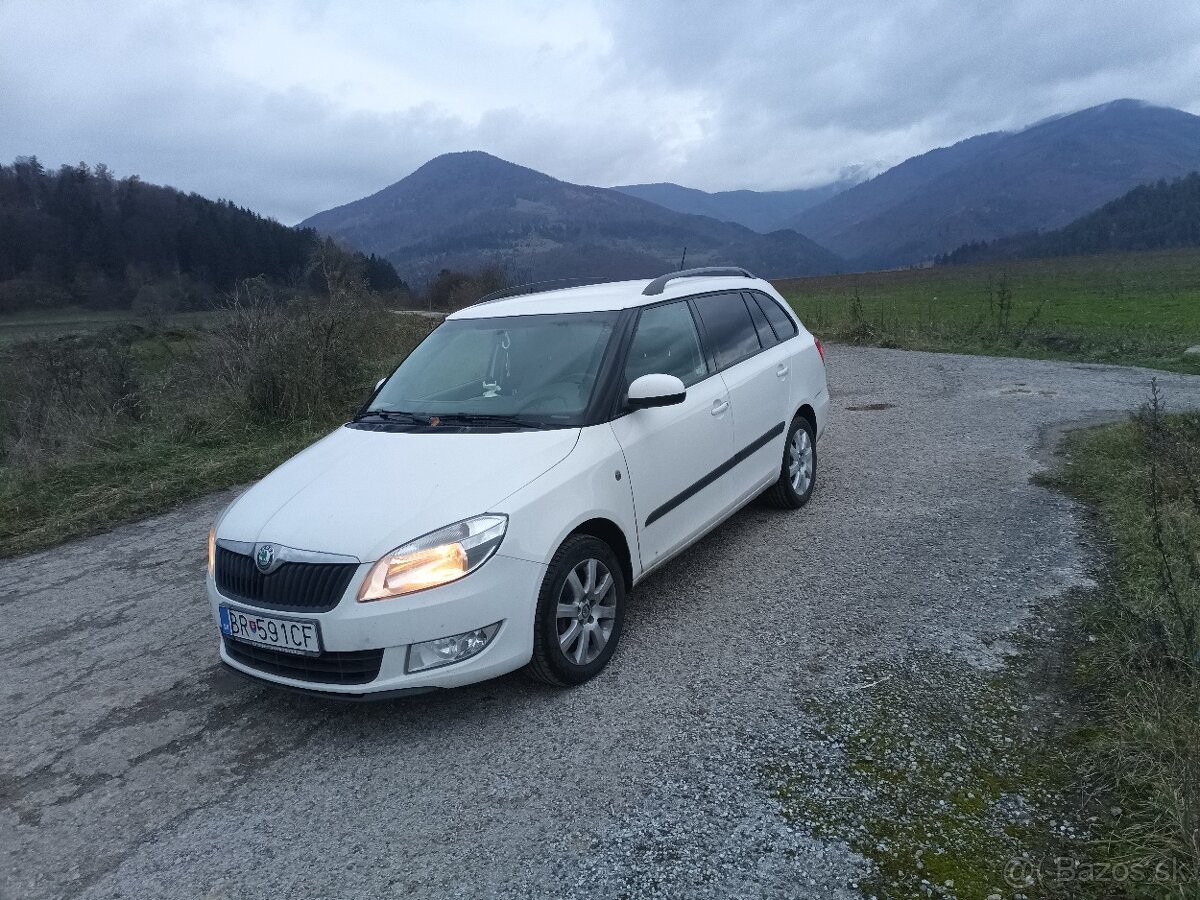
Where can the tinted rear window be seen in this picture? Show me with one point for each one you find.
(780, 321)
(766, 334)
(729, 327)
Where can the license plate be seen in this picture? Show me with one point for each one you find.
(289, 635)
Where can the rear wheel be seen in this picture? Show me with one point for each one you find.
(798, 471)
(580, 613)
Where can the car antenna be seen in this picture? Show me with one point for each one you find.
(683, 259)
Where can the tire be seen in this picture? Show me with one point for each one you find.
(557, 657)
(795, 486)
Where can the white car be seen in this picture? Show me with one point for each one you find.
(505, 488)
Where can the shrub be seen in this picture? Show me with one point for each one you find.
(65, 396)
(453, 290)
(275, 358)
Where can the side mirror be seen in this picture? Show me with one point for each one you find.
(379, 383)
(655, 390)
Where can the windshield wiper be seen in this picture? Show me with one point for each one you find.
(489, 419)
(392, 414)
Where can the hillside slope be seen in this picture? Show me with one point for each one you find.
(861, 203)
(81, 236)
(464, 210)
(1156, 216)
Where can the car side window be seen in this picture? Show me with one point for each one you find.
(729, 327)
(780, 321)
(766, 334)
(666, 343)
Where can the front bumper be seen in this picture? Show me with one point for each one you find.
(503, 590)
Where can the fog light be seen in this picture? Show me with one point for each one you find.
(447, 650)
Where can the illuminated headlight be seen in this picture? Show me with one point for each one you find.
(437, 558)
(447, 650)
(212, 549)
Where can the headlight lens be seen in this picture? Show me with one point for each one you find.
(212, 549)
(437, 558)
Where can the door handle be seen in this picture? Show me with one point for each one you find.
(719, 406)
(782, 371)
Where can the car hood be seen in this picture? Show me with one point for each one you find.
(361, 493)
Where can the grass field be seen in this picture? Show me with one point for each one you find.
(1133, 308)
(169, 433)
(141, 476)
(55, 323)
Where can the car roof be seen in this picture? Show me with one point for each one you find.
(602, 297)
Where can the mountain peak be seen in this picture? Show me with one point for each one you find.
(467, 158)
(472, 162)
(1123, 110)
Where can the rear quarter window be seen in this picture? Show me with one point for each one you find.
(766, 334)
(782, 324)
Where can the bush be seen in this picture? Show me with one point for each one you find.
(275, 358)
(453, 290)
(66, 396)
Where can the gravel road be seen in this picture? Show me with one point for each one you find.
(132, 766)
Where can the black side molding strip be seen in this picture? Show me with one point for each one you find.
(693, 489)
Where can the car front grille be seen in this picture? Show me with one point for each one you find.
(347, 667)
(294, 586)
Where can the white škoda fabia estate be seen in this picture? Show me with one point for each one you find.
(502, 492)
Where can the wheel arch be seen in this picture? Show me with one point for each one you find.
(809, 414)
(610, 532)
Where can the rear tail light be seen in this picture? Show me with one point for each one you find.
(820, 349)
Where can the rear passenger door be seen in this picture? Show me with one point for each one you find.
(671, 451)
(743, 349)
(780, 332)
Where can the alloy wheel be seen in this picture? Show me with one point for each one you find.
(587, 609)
(800, 461)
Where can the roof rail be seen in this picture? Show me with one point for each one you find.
(535, 287)
(657, 285)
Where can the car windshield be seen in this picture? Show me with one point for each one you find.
(531, 370)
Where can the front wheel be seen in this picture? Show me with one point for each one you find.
(580, 613)
(798, 472)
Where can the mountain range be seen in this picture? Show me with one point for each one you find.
(763, 211)
(464, 210)
(994, 185)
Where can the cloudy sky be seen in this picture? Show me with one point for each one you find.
(293, 106)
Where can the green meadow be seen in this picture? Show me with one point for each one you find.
(1132, 308)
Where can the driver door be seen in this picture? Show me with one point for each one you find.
(675, 453)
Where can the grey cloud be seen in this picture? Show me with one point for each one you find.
(825, 83)
(763, 94)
